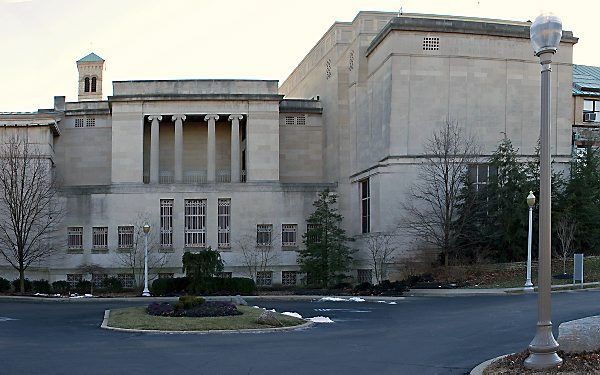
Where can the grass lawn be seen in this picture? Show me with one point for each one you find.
(511, 275)
(137, 318)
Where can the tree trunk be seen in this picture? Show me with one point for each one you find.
(21, 279)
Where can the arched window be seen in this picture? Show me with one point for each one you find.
(93, 84)
(86, 84)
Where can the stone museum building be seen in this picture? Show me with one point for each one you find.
(232, 163)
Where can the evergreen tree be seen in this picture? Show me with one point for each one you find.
(326, 255)
(582, 200)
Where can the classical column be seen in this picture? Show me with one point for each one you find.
(178, 119)
(235, 147)
(154, 149)
(210, 148)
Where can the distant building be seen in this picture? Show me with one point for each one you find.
(210, 162)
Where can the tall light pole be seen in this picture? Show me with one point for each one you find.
(545, 33)
(530, 203)
(146, 292)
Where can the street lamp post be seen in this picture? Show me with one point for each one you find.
(545, 33)
(146, 292)
(530, 203)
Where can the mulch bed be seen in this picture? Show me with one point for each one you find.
(573, 363)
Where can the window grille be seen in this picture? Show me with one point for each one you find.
(75, 238)
(288, 235)
(100, 238)
(264, 234)
(290, 120)
(86, 84)
(195, 222)
(90, 122)
(264, 278)
(127, 280)
(313, 233)
(79, 122)
(301, 120)
(364, 276)
(431, 43)
(328, 68)
(125, 237)
(74, 278)
(365, 206)
(224, 223)
(226, 275)
(166, 275)
(288, 277)
(351, 61)
(166, 223)
(94, 79)
(98, 280)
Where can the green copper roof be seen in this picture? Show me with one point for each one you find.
(92, 57)
(586, 80)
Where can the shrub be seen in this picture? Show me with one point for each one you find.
(16, 285)
(169, 287)
(212, 309)
(61, 287)
(40, 286)
(112, 285)
(83, 287)
(4, 285)
(188, 302)
(385, 288)
(160, 309)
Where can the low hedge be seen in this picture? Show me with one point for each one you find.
(16, 285)
(41, 286)
(4, 285)
(210, 286)
(61, 287)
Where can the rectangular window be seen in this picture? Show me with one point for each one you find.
(125, 237)
(288, 277)
(365, 276)
(79, 122)
(195, 222)
(365, 206)
(100, 238)
(226, 275)
(98, 280)
(166, 223)
(288, 235)
(90, 122)
(127, 280)
(289, 120)
(313, 233)
(264, 278)
(224, 223)
(264, 234)
(301, 120)
(591, 110)
(75, 238)
(166, 275)
(479, 174)
(74, 278)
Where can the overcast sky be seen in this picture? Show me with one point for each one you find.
(263, 39)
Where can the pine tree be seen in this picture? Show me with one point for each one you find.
(326, 256)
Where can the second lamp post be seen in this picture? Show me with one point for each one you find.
(530, 203)
(146, 292)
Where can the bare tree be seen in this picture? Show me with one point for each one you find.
(30, 210)
(433, 199)
(256, 257)
(382, 247)
(565, 232)
(132, 258)
(92, 270)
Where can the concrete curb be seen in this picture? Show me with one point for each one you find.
(478, 370)
(300, 327)
(208, 298)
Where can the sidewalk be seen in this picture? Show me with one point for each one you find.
(492, 292)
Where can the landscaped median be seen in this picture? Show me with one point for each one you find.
(202, 317)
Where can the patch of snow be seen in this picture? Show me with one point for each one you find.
(392, 303)
(333, 299)
(272, 310)
(294, 314)
(320, 319)
(256, 307)
(5, 319)
(381, 302)
(87, 295)
(356, 299)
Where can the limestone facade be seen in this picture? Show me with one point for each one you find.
(353, 115)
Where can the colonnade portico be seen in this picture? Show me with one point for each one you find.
(211, 175)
